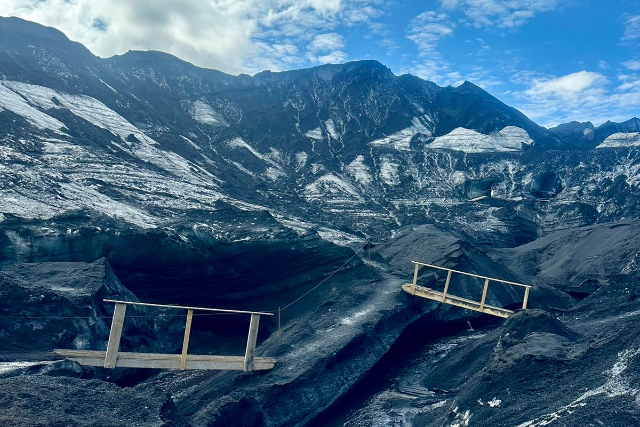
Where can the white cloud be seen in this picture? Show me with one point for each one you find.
(426, 29)
(629, 82)
(328, 41)
(632, 29)
(525, 77)
(632, 65)
(231, 35)
(566, 86)
(583, 95)
(500, 13)
(390, 45)
(327, 49)
(200, 32)
(449, 4)
(335, 57)
(273, 56)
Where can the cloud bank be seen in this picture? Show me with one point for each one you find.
(234, 36)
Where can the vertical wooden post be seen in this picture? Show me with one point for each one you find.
(185, 341)
(526, 298)
(484, 294)
(251, 342)
(446, 285)
(114, 336)
(415, 279)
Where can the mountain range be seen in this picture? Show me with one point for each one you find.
(351, 150)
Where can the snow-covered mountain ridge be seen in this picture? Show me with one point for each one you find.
(350, 149)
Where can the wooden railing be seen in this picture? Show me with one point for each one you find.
(473, 305)
(153, 360)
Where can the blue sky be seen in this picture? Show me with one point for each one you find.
(556, 60)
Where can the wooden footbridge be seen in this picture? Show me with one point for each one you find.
(445, 297)
(113, 358)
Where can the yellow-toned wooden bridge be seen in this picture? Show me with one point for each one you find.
(445, 297)
(113, 358)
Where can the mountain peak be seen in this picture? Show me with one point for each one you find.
(23, 27)
(470, 85)
(631, 125)
(149, 57)
(333, 69)
(570, 127)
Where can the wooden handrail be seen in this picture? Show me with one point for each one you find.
(472, 275)
(220, 310)
(111, 355)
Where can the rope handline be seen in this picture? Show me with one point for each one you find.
(318, 285)
(280, 310)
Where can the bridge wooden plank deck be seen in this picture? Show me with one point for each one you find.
(447, 298)
(166, 361)
(429, 293)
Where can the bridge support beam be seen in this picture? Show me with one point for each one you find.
(484, 294)
(114, 336)
(251, 343)
(185, 341)
(446, 286)
(526, 298)
(415, 279)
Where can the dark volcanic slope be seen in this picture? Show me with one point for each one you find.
(59, 305)
(573, 363)
(576, 367)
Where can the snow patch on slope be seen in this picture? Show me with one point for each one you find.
(88, 108)
(616, 385)
(340, 238)
(332, 188)
(314, 134)
(621, 139)
(239, 143)
(10, 100)
(95, 112)
(389, 171)
(401, 140)
(204, 113)
(509, 139)
(301, 160)
(331, 129)
(274, 171)
(107, 85)
(360, 171)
